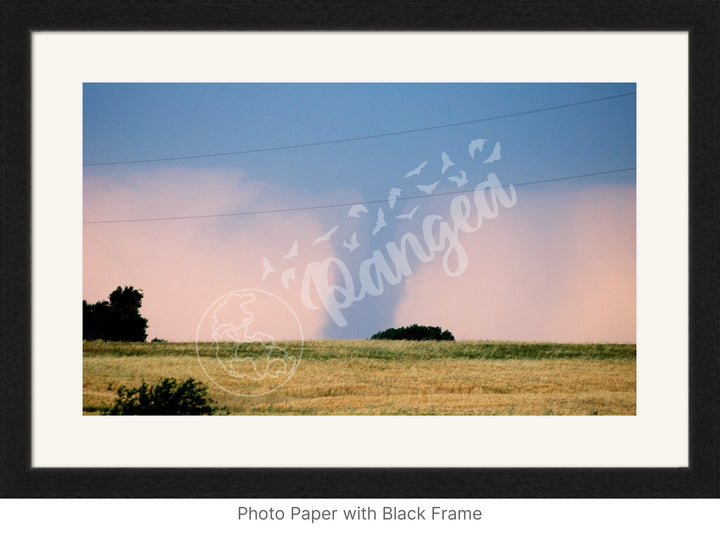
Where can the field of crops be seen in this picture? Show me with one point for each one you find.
(373, 377)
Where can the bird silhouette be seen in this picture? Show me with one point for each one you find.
(326, 236)
(417, 170)
(495, 154)
(356, 209)
(408, 215)
(292, 252)
(380, 223)
(287, 276)
(267, 268)
(476, 145)
(447, 162)
(459, 181)
(353, 244)
(428, 188)
(393, 196)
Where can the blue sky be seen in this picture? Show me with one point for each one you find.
(148, 121)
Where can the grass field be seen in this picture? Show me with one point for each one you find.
(364, 377)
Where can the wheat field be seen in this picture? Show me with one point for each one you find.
(373, 377)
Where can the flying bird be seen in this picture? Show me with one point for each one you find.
(380, 223)
(447, 162)
(267, 268)
(408, 215)
(353, 242)
(356, 209)
(417, 170)
(459, 181)
(429, 188)
(476, 145)
(495, 154)
(292, 252)
(326, 236)
(287, 276)
(393, 196)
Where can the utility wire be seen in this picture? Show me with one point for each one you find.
(359, 138)
(323, 206)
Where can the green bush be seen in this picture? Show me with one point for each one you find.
(413, 332)
(165, 398)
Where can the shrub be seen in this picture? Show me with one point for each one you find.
(167, 398)
(413, 332)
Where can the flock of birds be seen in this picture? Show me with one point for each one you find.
(357, 210)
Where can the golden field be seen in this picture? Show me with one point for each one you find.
(373, 377)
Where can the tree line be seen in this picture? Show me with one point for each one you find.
(413, 332)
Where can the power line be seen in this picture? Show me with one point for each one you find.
(339, 205)
(359, 138)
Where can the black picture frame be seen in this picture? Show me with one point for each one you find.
(700, 18)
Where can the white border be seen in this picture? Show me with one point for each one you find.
(656, 437)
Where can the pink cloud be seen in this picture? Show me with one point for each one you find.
(182, 266)
(559, 266)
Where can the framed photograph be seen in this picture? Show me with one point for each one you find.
(431, 259)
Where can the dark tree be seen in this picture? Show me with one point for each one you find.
(96, 318)
(117, 319)
(413, 332)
